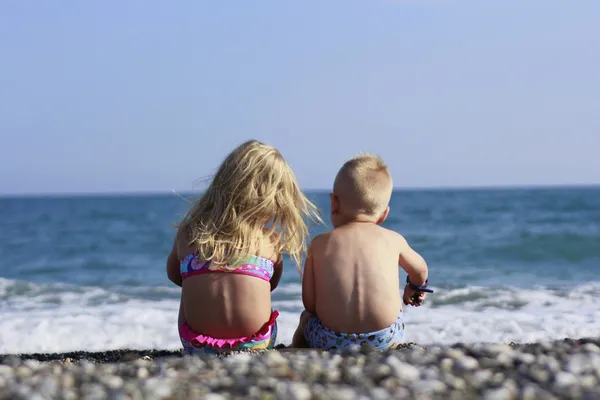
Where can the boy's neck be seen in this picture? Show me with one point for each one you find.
(341, 220)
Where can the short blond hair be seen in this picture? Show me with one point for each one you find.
(364, 185)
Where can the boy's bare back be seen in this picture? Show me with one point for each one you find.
(356, 277)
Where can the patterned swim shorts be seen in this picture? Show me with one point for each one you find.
(319, 336)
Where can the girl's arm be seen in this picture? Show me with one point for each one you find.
(308, 283)
(277, 271)
(173, 266)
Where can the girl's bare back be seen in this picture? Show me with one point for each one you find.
(226, 305)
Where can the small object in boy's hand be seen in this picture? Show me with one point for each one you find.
(416, 299)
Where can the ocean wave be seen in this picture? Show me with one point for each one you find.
(60, 317)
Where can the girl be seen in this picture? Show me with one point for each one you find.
(227, 254)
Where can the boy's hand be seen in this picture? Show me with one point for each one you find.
(413, 297)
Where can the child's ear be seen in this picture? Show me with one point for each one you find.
(383, 216)
(335, 204)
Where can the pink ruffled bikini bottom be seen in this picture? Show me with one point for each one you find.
(195, 343)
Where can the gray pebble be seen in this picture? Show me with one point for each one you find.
(565, 379)
(501, 393)
(467, 363)
(431, 386)
(590, 348)
(293, 391)
(214, 396)
(6, 371)
(446, 364)
(480, 378)
(142, 373)
(403, 370)
(113, 382)
(379, 394)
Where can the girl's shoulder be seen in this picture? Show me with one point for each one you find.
(182, 242)
(270, 246)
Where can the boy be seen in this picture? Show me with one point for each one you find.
(350, 285)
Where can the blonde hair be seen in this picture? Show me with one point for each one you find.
(364, 185)
(253, 187)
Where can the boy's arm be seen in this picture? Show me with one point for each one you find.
(173, 266)
(277, 271)
(412, 262)
(308, 283)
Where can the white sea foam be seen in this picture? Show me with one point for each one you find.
(61, 318)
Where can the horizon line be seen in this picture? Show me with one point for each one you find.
(174, 192)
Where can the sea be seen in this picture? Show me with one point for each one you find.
(507, 265)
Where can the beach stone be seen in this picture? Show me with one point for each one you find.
(431, 373)
(32, 364)
(6, 371)
(36, 396)
(540, 374)
(588, 381)
(455, 354)
(352, 374)
(487, 362)
(380, 372)
(23, 372)
(564, 379)
(390, 382)
(87, 367)
(497, 379)
(552, 364)
(340, 393)
(93, 391)
(293, 391)
(590, 348)
(480, 378)
(455, 382)
(142, 373)
(501, 393)
(113, 382)
(431, 386)
(528, 392)
(402, 393)
(214, 396)
(48, 386)
(272, 358)
(157, 388)
(71, 395)
(379, 394)
(578, 363)
(403, 370)
(57, 369)
(505, 359)
(242, 358)
(332, 375)
(446, 364)
(526, 358)
(467, 363)
(495, 349)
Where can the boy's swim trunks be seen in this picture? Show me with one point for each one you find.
(320, 337)
(194, 343)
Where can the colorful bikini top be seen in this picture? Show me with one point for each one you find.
(258, 267)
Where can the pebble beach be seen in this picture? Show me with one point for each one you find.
(546, 370)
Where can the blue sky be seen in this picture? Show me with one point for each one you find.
(150, 95)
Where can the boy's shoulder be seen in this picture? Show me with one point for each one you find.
(393, 238)
(320, 238)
